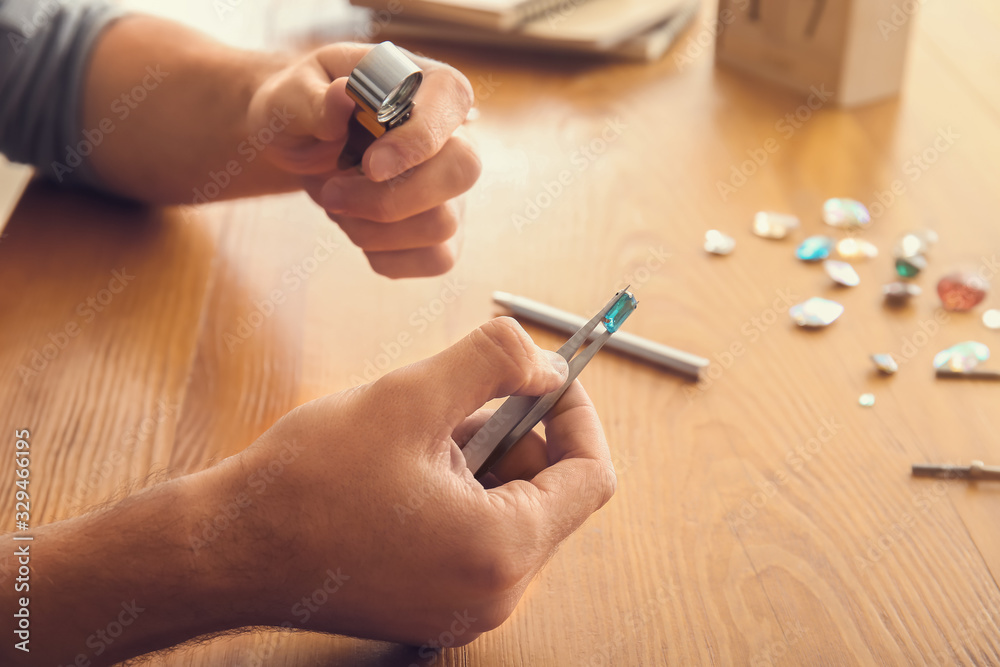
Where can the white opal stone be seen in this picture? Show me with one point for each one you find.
(718, 243)
(815, 312)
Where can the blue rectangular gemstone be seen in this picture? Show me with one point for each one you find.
(620, 311)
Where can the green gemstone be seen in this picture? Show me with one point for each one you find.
(620, 311)
(909, 267)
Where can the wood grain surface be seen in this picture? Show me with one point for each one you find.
(762, 517)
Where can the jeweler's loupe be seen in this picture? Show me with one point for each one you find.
(383, 85)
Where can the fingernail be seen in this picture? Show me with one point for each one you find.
(333, 197)
(559, 364)
(386, 162)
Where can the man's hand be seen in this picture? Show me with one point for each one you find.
(401, 210)
(354, 514)
(223, 123)
(380, 493)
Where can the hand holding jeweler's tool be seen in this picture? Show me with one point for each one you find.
(975, 470)
(383, 84)
(519, 414)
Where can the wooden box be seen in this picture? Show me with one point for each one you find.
(854, 49)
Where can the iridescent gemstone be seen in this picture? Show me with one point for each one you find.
(851, 248)
(815, 312)
(899, 293)
(866, 400)
(841, 273)
(846, 213)
(962, 357)
(718, 243)
(991, 318)
(620, 311)
(815, 248)
(771, 225)
(961, 291)
(885, 363)
(909, 267)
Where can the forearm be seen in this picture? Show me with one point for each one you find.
(131, 579)
(169, 106)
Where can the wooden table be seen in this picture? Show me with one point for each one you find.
(762, 517)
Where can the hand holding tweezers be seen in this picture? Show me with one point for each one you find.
(519, 414)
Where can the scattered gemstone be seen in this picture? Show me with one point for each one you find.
(899, 293)
(928, 236)
(910, 245)
(909, 267)
(718, 243)
(962, 358)
(841, 273)
(866, 400)
(961, 291)
(771, 225)
(851, 248)
(815, 248)
(885, 363)
(620, 311)
(991, 318)
(846, 213)
(816, 312)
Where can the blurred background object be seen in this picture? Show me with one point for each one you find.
(631, 29)
(854, 48)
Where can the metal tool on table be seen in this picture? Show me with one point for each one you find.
(383, 84)
(976, 470)
(519, 414)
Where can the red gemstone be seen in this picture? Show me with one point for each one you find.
(961, 291)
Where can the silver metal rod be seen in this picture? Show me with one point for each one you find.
(981, 374)
(672, 359)
(976, 470)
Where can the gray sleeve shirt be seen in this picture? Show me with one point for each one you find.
(44, 51)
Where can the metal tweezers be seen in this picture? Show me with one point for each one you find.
(520, 414)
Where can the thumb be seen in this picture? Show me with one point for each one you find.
(303, 114)
(497, 359)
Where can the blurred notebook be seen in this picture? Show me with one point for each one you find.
(596, 22)
(581, 33)
(490, 14)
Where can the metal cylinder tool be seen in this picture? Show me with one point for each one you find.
(383, 85)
